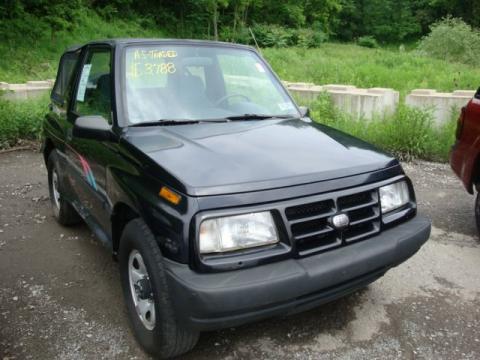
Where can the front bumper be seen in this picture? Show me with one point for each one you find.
(221, 300)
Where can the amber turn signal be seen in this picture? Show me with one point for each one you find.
(169, 195)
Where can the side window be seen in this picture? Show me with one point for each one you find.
(64, 76)
(94, 90)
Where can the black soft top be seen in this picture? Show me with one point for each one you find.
(127, 41)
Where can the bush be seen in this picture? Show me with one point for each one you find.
(21, 120)
(280, 37)
(272, 36)
(241, 35)
(368, 42)
(452, 40)
(308, 38)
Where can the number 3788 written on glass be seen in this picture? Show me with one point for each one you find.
(139, 69)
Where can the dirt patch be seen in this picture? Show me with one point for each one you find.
(61, 298)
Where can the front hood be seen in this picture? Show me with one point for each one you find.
(223, 158)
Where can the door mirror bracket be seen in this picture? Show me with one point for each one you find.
(304, 111)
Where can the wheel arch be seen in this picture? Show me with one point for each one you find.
(129, 203)
(122, 214)
(47, 148)
(470, 170)
(474, 183)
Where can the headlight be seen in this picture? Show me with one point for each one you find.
(394, 196)
(237, 232)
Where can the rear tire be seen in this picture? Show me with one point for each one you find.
(64, 213)
(155, 327)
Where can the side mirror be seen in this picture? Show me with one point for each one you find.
(477, 94)
(93, 127)
(304, 111)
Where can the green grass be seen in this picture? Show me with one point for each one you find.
(408, 134)
(332, 63)
(354, 65)
(21, 120)
(25, 58)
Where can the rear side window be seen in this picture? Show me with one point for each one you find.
(65, 75)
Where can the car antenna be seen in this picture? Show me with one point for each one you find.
(255, 40)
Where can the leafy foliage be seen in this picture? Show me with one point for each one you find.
(368, 41)
(385, 20)
(451, 39)
(277, 36)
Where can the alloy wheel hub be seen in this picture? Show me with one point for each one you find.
(141, 290)
(144, 289)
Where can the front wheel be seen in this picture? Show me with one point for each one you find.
(147, 296)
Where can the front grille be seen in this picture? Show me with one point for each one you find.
(311, 228)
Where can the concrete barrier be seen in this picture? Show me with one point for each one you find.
(360, 103)
(29, 90)
(443, 105)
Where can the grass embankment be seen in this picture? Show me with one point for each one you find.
(330, 64)
(366, 68)
(35, 56)
(407, 134)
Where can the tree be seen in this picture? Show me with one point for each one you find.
(212, 7)
(386, 20)
(322, 14)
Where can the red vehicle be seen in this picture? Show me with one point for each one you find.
(465, 155)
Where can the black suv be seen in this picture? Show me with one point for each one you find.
(222, 200)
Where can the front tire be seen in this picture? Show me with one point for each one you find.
(147, 296)
(64, 213)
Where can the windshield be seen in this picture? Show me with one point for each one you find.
(185, 82)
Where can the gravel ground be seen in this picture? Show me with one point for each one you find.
(60, 295)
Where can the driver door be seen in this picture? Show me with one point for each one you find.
(89, 158)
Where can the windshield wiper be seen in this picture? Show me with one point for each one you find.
(170, 122)
(257, 117)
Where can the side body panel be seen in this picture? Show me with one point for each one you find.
(87, 161)
(465, 156)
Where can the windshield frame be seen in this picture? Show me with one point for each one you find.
(123, 121)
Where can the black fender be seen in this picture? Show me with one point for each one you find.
(137, 192)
